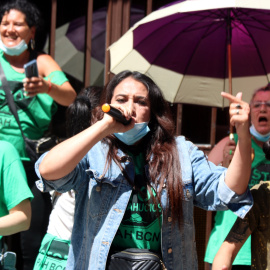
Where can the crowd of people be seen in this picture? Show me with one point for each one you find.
(113, 195)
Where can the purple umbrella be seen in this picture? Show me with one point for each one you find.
(196, 49)
(70, 44)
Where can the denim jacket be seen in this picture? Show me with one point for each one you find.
(101, 201)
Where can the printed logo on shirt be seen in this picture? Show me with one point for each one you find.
(5, 122)
(54, 258)
(50, 264)
(21, 101)
(135, 218)
(260, 173)
(141, 225)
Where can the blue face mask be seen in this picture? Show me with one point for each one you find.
(259, 136)
(16, 50)
(133, 135)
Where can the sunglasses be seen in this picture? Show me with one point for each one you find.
(258, 104)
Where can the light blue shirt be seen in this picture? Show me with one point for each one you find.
(100, 207)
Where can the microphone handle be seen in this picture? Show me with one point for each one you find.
(116, 114)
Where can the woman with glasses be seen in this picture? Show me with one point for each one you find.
(223, 153)
(256, 223)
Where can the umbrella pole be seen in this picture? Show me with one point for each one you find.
(230, 75)
(229, 46)
(209, 215)
(229, 54)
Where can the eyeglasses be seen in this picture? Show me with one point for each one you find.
(257, 104)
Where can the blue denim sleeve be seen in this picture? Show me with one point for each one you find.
(73, 180)
(210, 189)
(239, 204)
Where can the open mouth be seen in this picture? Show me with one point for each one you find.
(263, 119)
(9, 38)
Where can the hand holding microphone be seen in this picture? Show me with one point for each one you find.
(115, 113)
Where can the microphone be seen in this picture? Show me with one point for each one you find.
(115, 113)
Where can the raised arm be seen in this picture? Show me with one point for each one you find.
(238, 174)
(64, 157)
(231, 245)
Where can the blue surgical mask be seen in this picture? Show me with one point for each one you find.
(16, 50)
(133, 135)
(260, 137)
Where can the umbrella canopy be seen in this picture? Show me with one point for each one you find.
(70, 45)
(70, 55)
(194, 49)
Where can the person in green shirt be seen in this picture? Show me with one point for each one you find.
(15, 195)
(222, 153)
(36, 100)
(256, 223)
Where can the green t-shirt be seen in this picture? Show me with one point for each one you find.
(13, 184)
(35, 113)
(224, 220)
(141, 225)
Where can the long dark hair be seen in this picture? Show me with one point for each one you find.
(161, 154)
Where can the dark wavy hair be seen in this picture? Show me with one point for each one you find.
(29, 9)
(161, 153)
(79, 113)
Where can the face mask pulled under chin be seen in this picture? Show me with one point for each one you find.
(260, 137)
(133, 135)
(16, 50)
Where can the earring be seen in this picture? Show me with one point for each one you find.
(32, 44)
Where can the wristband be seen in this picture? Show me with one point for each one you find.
(50, 87)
